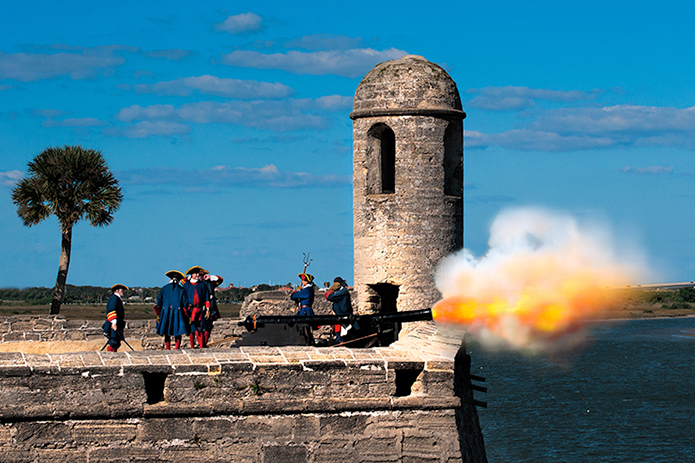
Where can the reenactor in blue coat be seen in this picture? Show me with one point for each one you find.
(170, 309)
(199, 301)
(305, 296)
(213, 281)
(339, 295)
(115, 318)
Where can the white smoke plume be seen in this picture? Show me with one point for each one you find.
(544, 275)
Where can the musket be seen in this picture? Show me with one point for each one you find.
(122, 339)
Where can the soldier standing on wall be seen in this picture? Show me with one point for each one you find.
(212, 281)
(115, 318)
(305, 296)
(339, 295)
(198, 303)
(171, 304)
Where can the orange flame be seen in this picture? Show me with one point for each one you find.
(547, 313)
(542, 279)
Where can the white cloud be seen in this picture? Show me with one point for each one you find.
(627, 119)
(74, 122)
(137, 112)
(49, 113)
(324, 42)
(27, 67)
(174, 54)
(10, 177)
(146, 129)
(571, 129)
(517, 98)
(275, 115)
(507, 103)
(535, 140)
(240, 24)
(334, 102)
(653, 170)
(51, 61)
(348, 63)
(268, 176)
(211, 85)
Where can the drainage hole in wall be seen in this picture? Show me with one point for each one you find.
(405, 380)
(154, 386)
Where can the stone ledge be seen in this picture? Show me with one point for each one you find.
(414, 373)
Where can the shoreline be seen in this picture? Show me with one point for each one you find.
(627, 319)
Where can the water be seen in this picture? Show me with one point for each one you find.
(626, 395)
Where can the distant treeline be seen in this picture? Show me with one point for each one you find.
(681, 298)
(99, 295)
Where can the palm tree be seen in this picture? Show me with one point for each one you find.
(71, 183)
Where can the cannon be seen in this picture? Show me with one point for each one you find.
(380, 329)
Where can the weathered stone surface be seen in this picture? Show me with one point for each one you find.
(289, 454)
(162, 429)
(61, 455)
(5, 436)
(42, 433)
(103, 432)
(408, 209)
(17, 456)
(124, 452)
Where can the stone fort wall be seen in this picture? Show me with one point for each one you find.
(407, 402)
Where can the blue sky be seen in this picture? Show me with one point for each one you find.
(227, 125)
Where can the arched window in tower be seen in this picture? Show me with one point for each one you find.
(381, 160)
(453, 160)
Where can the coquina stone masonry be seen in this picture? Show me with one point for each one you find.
(56, 329)
(408, 402)
(407, 182)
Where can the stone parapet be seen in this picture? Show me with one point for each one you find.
(260, 404)
(56, 329)
(102, 385)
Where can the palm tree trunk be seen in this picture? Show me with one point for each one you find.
(59, 290)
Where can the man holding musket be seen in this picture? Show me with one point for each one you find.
(115, 318)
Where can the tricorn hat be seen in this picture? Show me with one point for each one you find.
(175, 274)
(340, 280)
(194, 269)
(118, 286)
(306, 276)
(203, 271)
(216, 280)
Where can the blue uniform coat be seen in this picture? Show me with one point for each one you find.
(305, 297)
(342, 304)
(173, 301)
(115, 311)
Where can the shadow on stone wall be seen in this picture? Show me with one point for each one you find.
(470, 434)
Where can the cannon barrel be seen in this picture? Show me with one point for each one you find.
(253, 322)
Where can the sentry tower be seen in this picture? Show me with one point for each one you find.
(408, 182)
